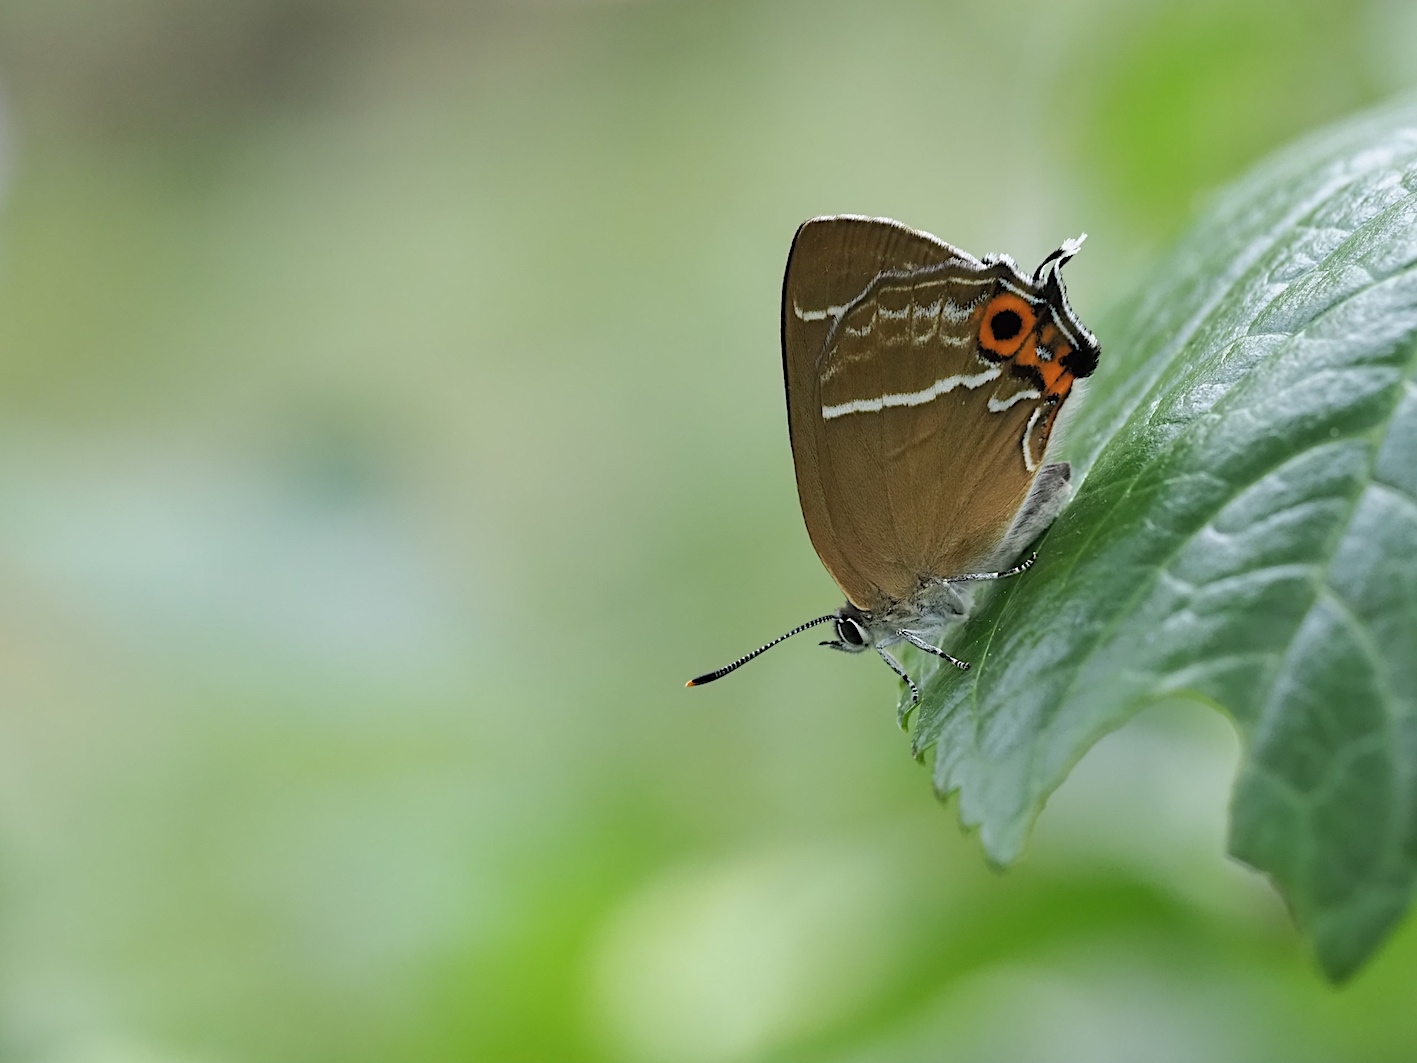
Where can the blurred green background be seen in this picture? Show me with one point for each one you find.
(391, 421)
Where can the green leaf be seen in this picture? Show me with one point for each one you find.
(1246, 533)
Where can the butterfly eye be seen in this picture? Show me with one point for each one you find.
(850, 632)
(1007, 321)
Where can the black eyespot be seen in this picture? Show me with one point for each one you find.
(1080, 362)
(849, 630)
(1006, 324)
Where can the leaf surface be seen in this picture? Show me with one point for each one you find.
(1245, 533)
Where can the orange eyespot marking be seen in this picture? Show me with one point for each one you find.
(1061, 383)
(1043, 367)
(1007, 321)
(1059, 388)
(1045, 370)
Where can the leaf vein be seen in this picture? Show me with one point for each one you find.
(1400, 493)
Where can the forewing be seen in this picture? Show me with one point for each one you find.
(833, 262)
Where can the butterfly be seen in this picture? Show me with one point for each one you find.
(923, 385)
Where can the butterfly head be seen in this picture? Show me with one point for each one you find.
(853, 631)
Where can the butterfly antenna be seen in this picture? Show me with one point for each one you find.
(711, 676)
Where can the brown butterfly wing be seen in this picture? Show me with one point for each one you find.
(916, 429)
(832, 262)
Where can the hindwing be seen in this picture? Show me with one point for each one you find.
(922, 387)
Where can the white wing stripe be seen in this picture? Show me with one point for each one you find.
(1028, 462)
(912, 398)
(818, 315)
(997, 406)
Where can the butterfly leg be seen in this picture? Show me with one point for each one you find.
(898, 670)
(1022, 566)
(915, 640)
